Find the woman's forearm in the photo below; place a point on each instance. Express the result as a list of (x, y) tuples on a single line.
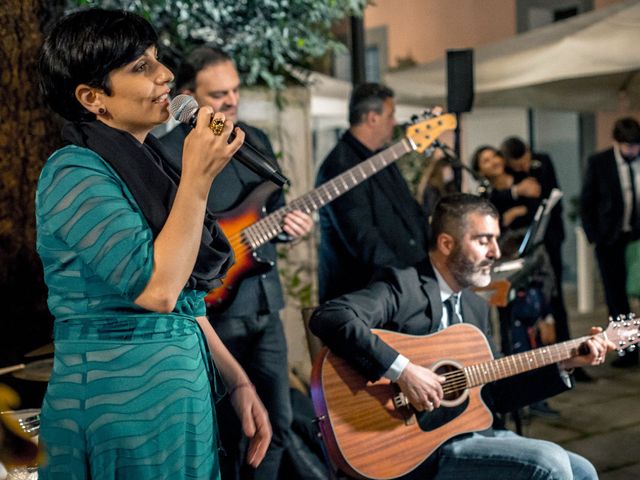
[(175, 251)]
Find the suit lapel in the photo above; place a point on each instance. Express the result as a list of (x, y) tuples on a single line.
[(430, 287), (468, 314)]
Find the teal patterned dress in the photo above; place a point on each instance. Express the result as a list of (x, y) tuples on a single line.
[(132, 392)]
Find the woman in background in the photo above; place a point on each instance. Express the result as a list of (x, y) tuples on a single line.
[(510, 199), (129, 252), (437, 180)]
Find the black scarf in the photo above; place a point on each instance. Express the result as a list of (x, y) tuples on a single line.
[(153, 183)]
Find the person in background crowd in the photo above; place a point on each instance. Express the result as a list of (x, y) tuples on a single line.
[(506, 195), (437, 180), (522, 163), (610, 218)]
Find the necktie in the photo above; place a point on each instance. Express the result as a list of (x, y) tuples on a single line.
[(450, 305)]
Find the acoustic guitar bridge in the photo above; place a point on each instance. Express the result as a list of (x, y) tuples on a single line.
[(403, 406)]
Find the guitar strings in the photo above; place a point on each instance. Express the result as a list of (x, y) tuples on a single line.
[(457, 380), (241, 245)]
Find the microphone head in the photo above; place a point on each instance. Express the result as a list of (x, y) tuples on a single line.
[(183, 108)]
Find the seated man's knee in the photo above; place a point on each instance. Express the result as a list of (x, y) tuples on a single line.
[(553, 462)]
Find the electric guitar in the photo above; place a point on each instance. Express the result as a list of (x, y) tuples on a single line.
[(371, 430), (247, 228)]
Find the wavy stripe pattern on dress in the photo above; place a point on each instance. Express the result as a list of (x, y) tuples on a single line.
[(130, 395)]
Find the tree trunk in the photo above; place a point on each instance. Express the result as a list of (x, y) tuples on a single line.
[(28, 134)]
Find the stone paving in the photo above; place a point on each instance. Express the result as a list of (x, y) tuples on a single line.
[(601, 419)]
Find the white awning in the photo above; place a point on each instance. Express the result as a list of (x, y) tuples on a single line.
[(588, 62)]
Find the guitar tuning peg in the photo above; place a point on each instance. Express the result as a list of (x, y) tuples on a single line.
[(631, 348), (415, 118), (621, 352), (427, 113)]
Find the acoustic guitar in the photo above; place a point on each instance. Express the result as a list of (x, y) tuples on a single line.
[(248, 229), (370, 429)]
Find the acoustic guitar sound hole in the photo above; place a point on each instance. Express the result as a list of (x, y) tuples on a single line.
[(456, 384)]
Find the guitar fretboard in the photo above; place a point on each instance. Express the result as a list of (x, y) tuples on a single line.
[(267, 228), (493, 370)]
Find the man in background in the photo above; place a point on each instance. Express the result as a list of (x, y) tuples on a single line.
[(523, 163), (610, 218), (250, 327), (378, 223)]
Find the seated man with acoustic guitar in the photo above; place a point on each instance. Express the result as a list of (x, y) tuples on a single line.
[(437, 407)]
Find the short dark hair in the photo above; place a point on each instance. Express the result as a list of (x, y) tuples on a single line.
[(475, 158), (199, 58), (85, 47), (513, 148), (626, 130), (450, 215), (365, 98)]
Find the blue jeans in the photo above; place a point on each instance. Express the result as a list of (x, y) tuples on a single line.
[(259, 345), (510, 456)]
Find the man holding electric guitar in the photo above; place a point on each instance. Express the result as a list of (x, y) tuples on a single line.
[(378, 223), (249, 324), (388, 408)]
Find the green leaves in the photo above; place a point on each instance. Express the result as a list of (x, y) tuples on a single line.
[(265, 37)]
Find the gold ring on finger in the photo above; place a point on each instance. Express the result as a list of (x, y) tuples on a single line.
[(216, 125)]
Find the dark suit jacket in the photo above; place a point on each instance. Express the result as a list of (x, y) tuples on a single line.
[(257, 294), (408, 301), (601, 203), (542, 170), (376, 224)]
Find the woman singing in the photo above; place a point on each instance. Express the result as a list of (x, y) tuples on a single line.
[(129, 251)]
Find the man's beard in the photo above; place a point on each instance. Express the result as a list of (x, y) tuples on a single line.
[(465, 272)]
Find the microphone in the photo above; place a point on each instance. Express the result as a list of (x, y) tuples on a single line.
[(184, 109)]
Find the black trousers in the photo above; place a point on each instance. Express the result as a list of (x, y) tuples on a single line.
[(613, 270), (259, 345)]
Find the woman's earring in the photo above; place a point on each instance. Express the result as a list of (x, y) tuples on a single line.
[(102, 111)]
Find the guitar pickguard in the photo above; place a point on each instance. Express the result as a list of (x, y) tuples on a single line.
[(430, 421)]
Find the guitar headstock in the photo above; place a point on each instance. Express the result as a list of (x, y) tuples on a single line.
[(624, 331), (424, 133)]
